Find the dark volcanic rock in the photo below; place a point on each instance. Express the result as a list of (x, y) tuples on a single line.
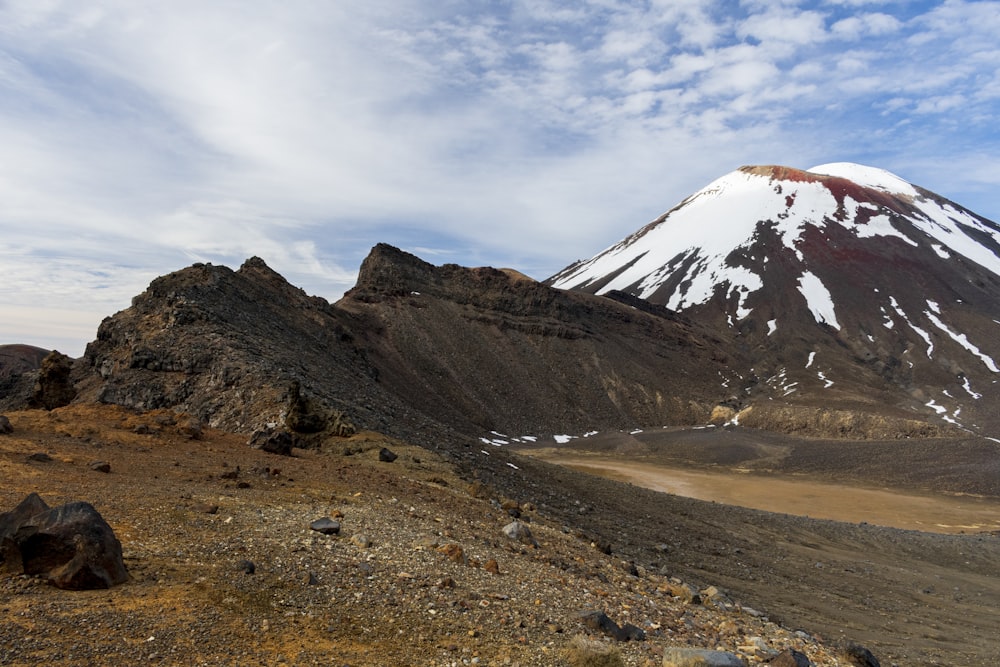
[(601, 622), (386, 455), (404, 353), (859, 656), (5, 425), (326, 525), (54, 388), (71, 545), (275, 441)]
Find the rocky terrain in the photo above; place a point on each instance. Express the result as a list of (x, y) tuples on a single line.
[(413, 565)]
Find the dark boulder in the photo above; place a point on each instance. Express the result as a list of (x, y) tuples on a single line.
[(386, 455), (275, 441), (71, 545), (5, 425), (601, 622), (790, 658)]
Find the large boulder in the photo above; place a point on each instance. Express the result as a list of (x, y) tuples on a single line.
[(71, 545)]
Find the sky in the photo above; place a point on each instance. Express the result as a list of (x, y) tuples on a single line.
[(139, 137)]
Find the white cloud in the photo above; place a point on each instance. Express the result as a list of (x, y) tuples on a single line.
[(140, 137)]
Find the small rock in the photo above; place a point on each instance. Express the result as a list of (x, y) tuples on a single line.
[(5, 425), (445, 582), (39, 457), (790, 658), (100, 466), (311, 579), (519, 532), (454, 552), (326, 526), (601, 622), (206, 508), (694, 657), (859, 656), (386, 455), (492, 566), (361, 541), (246, 567)]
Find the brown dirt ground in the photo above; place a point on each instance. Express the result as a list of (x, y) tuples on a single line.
[(187, 511)]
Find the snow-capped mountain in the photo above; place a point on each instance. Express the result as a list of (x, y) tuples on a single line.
[(843, 281)]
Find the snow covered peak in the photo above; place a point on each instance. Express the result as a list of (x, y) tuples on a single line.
[(869, 177)]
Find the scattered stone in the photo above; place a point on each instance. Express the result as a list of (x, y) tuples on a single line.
[(682, 591), (385, 455), (694, 657), (100, 466), (361, 541), (206, 508), (326, 525), (5, 425), (790, 658), (601, 622), (311, 579), (71, 545), (454, 553), (445, 582), (246, 567), (274, 441), (519, 532), (142, 429), (39, 457), (859, 656), (492, 566)]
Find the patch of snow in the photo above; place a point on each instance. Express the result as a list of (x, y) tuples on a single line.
[(512, 465), (968, 389), (880, 225), (963, 340), (920, 332), (818, 299), (941, 252), (483, 451), (812, 357), (563, 439), (828, 382), (940, 409), (529, 438), (934, 306), (635, 432), (888, 324), (871, 177), (772, 326), (590, 433)]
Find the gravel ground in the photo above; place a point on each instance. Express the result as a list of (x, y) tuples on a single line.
[(421, 572)]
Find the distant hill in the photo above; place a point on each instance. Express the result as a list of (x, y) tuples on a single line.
[(16, 359)]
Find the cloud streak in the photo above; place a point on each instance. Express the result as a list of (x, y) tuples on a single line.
[(529, 133)]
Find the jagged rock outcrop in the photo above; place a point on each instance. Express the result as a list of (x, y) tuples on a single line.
[(417, 350), (53, 387)]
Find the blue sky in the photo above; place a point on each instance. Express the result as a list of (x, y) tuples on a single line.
[(139, 137)]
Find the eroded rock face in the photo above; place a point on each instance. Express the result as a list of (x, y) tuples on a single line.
[(54, 387), (70, 545)]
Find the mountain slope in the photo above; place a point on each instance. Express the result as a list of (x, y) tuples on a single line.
[(428, 353), (844, 285)]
